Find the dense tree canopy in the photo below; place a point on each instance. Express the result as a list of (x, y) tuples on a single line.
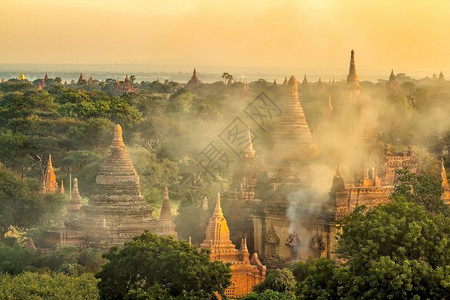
[(157, 267), (394, 251), (48, 286)]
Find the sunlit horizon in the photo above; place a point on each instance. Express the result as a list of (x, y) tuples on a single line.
[(255, 36)]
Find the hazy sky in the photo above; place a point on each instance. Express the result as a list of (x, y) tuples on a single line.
[(406, 35)]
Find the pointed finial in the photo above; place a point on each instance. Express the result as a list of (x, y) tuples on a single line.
[(49, 165), (118, 140), (205, 203), (293, 86), (338, 169), (249, 151), (285, 81), (392, 76), (166, 214), (22, 77), (195, 73), (166, 193), (46, 76), (244, 245), (190, 241), (218, 209), (62, 187)]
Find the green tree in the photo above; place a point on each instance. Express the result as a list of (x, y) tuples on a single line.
[(278, 280), (316, 279), (395, 251), (53, 286), (268, 295), (421, 189), (151, 264)]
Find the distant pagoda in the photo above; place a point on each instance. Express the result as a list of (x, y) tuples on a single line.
[(194, 81), (352, 78)]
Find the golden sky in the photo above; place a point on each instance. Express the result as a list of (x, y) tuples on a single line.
[(406, 35)]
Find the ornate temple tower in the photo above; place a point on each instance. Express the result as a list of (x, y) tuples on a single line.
[(49, 184), (117, 211), (352, 78), (22, 77), (292, 137), (165, 225), (245, 272), (194, 81)]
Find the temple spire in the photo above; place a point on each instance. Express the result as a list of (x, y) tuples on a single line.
[(285, 81), (392, 76), (338, 170), (166, 214), (22, 77), (205, 203), (76, 198), (118, 140), (293, 86), (50, 184), (46, 76), (218, 209), (249, 151), (352, 78)]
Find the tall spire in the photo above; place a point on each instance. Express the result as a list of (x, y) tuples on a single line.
[(166, 214), (22, 77), (50, 184), (285, 81), (218, 209), (118, 140), (352, 78), (392, 76), (205, 203), (249, 151), (46, 76), (218, 234), (76, 198)]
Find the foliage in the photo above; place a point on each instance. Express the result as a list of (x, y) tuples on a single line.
[(14, 259), (278, 280), (151, 264), (316, 279), (22, 207), (268, 295), (396, 250), (48, 286), (422, 189)]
